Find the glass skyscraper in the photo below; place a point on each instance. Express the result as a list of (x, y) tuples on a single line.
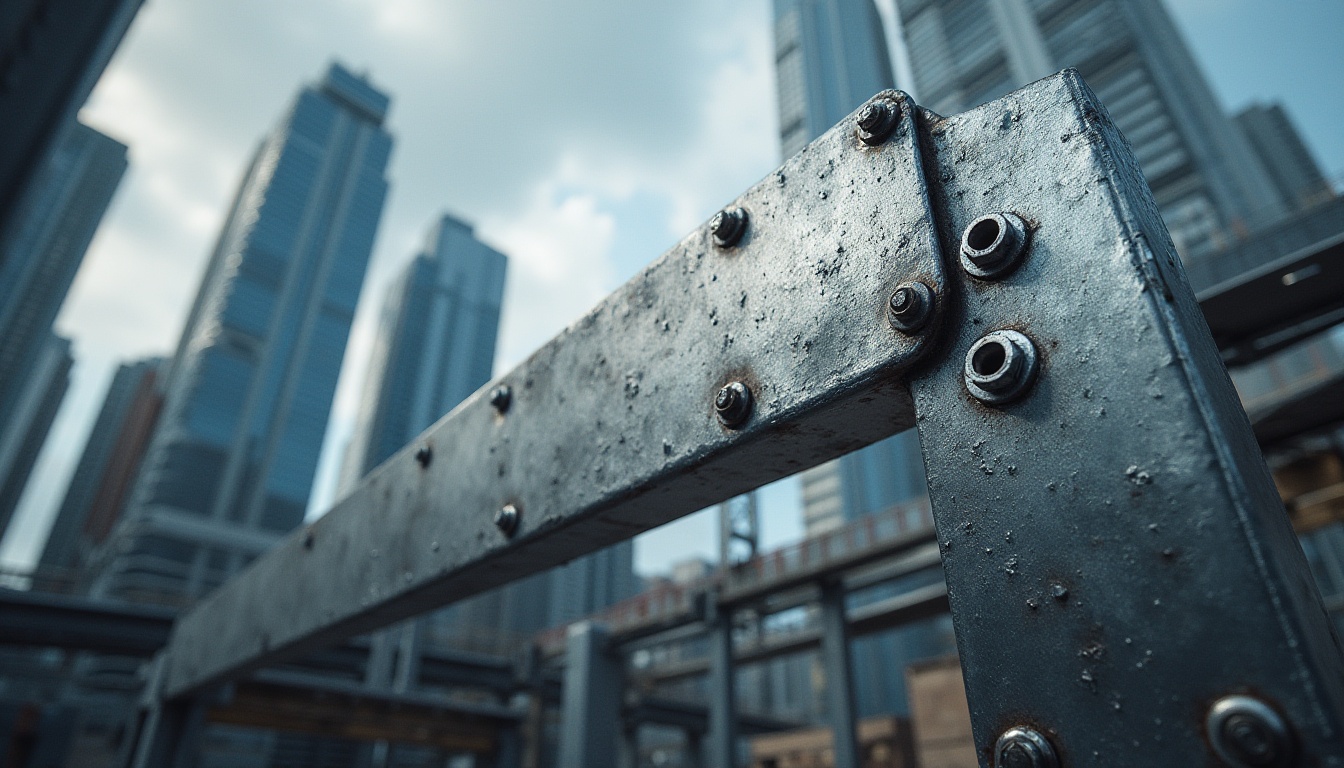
[(247, 397), (44, 386), (41, 254)]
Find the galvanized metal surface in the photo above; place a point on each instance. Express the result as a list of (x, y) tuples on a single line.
[(610, 429), (1116, 557)]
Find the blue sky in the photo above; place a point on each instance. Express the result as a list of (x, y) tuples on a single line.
[(582, 138)]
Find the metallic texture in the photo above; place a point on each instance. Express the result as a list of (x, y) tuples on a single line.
[(506, 519), (1024, 748), (993, 245), (501, 397), (1246, 733), (1000, 367), (910, 307), (876, 120), (728, 226), (610, 431), (1128, 484), (733, 404)]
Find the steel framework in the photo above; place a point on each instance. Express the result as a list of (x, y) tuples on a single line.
[(1124, 584)]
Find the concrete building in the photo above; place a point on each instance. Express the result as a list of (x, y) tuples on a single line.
[(21, 439), (231, 462), (1287, 159), (97, 492)]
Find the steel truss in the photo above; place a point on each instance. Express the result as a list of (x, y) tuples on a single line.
[(1123, 580)]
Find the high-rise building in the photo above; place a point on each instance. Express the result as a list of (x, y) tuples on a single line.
[(232, 459), (46, 246), (1275, 140), (97, 491), (435, 344), (1207, 181), (830, 57), (23, 435)]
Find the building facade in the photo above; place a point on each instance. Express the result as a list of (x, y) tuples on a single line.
[(46, 381), (1296, 176), (231, 463)]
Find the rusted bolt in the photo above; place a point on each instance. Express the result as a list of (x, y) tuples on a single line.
[(1024, 748), (423, 456), (1000, 367), (876, 121), (733, 404), (501, 397), (992, 246), (506, 519), (910, 307), (1247, 733), (728, 226)]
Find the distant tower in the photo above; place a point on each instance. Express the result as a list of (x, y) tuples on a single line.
[(231, 463), (1209, 184), (1275, 140), (435, 344)]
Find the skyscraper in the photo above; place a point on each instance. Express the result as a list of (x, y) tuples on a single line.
[(1284, 155), (232, 460), (97, 491), (1209, 184), (34, 411), (435, 344)]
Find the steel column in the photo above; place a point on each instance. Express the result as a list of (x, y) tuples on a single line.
[(835, 656), (722, 688), (593, 690)]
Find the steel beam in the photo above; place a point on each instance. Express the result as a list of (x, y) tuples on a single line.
[(722, 689), (841, 708), (594, 690), (83, 624)]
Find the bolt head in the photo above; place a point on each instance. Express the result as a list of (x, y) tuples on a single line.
[(993, 245), (876, 120), (1024, 748), (733, 404), (501, 397), (910, 307), (506, 519), (728, 226), (1000, 367), (1247, 733)]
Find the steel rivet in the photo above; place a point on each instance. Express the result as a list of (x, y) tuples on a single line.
[(910, 307), (506, 519), (876, 120), (424, 455), (733, 404), (728, 226), (993, 245), (1024, 748), (1000, 367), (501, 397), (1247, 733)]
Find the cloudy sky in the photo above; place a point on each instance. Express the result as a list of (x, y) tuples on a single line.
[(581, 137)]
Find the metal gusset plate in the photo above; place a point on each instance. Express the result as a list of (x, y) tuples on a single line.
[(1125, 585), (764, 343)]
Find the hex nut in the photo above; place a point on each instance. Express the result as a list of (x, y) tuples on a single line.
[(1000, 367), (1022, 747), (733, 404), (1247, 733), (506, 519), (876, 120), (993, 245), (910, 307), (501, 397), (728, 226)]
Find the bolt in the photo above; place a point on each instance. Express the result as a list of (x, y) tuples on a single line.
[(424, 455), (1000, 367), (506, 519), (1246, 733), (876, 121), (733, 404), (501, 397), (728, 226), (910, 307), (992, 246), (1024, 748)]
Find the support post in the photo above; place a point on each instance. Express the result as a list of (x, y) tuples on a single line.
[(629, 757), (836, 659), (591, 718), (164, 733), (722, 691), (695, 748)]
